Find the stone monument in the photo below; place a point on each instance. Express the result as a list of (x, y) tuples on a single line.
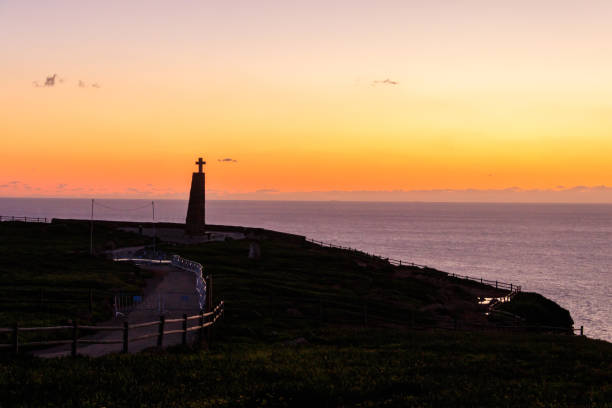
[(195, 223)]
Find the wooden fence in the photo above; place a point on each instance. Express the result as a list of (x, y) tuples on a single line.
[(498, 284), (24, 219), (204, 322), (398, 262)]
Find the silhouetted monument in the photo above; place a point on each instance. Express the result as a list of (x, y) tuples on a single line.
[(195, 222)]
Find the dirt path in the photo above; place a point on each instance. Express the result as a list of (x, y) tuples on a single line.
[(177, 289)]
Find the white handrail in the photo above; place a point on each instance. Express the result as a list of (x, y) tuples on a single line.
[(197, 269), (181, 263)]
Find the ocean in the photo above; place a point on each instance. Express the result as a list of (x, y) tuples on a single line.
[(563, 251)]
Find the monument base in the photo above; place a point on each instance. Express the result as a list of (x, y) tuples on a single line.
[(195, 223)]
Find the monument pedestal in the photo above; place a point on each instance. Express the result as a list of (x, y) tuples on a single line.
[(195, 223)]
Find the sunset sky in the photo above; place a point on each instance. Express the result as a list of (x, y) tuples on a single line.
[(368, 100)]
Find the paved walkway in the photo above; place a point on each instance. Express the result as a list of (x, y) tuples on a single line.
[(177, 285), (178, 235)]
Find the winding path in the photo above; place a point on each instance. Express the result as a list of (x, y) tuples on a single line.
[(182, 298)]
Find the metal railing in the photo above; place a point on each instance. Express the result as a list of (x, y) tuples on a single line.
[(181, 263), (6, 218), (197, 269), (143, 260)]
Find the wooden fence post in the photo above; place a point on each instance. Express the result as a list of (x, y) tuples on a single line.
[(582, 330), (201, 331), (126, 336), (160, 335), (209, 301), (184, 329), (75, 333), (16, 338)]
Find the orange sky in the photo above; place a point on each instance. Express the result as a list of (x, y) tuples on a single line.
[(479, 97)]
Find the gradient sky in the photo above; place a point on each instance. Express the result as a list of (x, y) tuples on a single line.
[(481, 95)]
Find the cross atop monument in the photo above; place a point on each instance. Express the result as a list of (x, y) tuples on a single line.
[(200, 163), (195, 223)]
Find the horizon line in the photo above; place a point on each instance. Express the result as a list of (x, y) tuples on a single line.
[(313, 200)]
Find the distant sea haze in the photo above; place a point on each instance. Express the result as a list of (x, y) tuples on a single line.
[(563, 251)]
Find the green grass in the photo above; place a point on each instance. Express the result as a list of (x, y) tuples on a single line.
[(297, 286), (46, 272), (367, 368), (322, 297)]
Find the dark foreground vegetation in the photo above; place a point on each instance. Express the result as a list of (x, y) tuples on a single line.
[(307, 326), (48, 277), (368, 368)]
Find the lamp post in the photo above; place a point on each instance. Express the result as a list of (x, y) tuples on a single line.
[(154, 229), (91, 251)]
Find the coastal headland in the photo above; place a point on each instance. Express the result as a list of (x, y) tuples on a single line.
[(304, 324)]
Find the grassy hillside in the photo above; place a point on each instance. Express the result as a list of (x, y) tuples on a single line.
[(304, 326), (46, 272), (366, 368), (296, 286)]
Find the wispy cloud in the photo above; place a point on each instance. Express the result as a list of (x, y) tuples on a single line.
[(53, 80), (559, 194), (385, 82), (50, 81), (227, 160), (578, 194), (14, 184)]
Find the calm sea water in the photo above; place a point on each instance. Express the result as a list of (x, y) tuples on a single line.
[(563, 251)]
